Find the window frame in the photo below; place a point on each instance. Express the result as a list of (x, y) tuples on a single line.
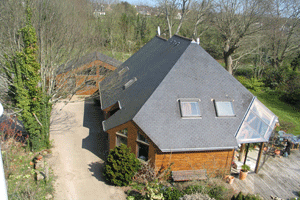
[(120, 134), (140, 142), (190, 100), (216, 108)]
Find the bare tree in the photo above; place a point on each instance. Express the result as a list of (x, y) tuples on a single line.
[(235, 20), (282, 30), (185, 6), (169, 8), (202, 9)]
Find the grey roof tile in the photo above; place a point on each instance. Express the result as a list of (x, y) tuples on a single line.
[(167, 71)]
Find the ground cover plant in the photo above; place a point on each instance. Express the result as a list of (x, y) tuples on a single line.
[(18, 167)]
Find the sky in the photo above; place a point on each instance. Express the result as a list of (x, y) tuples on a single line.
[(138, 2)]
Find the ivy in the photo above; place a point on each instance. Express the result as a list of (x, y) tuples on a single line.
[(26, 90)]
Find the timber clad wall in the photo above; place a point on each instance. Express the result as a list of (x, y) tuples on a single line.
[(213, 162), (61, 79)]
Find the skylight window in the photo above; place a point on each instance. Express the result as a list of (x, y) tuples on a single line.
[(224, 109), (122, 71), (190, 108), (129, 83)]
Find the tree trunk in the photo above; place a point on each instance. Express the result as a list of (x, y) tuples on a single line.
[(227, 58)]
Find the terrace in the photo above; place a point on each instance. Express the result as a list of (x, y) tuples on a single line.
[(277, 176)]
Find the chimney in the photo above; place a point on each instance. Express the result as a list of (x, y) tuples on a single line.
[(158, 31), (198, 41)]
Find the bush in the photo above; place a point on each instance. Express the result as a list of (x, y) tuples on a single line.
[(274, 77), (251, 84), (172, 193), (245, 72), (193, 189), (291, 89), (121, 165), (241, 196), (217, 192)]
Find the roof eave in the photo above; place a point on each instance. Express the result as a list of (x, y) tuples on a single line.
[(198, 149)]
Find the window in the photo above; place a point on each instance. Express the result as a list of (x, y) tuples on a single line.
[(190, 108), (143, 147), (129, 83), (121, 137), (224, 109)]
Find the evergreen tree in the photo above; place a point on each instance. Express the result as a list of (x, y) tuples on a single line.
[(26, 90)]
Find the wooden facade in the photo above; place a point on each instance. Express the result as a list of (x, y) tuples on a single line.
[(214, 162), (86, 84)]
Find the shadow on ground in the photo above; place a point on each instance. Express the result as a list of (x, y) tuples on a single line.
[(97, 141), (97, 170)]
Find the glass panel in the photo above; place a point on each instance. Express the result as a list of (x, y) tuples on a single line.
[(142, 138), (190, 109), (143, 151), (121, 140), (224, 109), (260, 110), (258, 124)]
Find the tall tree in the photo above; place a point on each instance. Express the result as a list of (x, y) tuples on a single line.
[(235, 20)]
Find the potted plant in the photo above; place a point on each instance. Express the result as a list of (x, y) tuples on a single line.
[(244, 172)]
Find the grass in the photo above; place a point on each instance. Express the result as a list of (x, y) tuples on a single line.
[(289, 116), (20, 175)]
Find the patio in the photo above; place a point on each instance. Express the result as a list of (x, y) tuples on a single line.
[(277, 176)]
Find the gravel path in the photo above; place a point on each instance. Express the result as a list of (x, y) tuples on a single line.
[(78, 153)]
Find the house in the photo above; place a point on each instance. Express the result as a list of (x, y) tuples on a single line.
[(84, 74), (171, 102)]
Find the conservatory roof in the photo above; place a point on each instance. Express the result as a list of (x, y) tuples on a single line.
[(258, 124)]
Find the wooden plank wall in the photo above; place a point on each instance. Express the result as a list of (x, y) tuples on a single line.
[(214, 162)]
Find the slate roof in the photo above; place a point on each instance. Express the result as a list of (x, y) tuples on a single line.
[(75, 63), (167, 71)]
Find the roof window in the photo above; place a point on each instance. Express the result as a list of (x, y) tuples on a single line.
[(190, 108), (224, 109), (122, 71), (129, 83)]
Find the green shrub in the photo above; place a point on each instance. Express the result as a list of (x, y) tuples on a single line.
[(291, 89), (245, 72), (172, 193), (193, 189), (252, 84), (217, 192), (272, 78), (121, 165), (241, 196)]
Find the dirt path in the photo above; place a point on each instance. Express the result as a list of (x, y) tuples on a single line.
[(79, 148)]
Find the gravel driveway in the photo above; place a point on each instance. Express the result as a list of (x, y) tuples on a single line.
[(78, 153)]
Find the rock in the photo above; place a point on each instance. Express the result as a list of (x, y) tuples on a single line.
[(48, 196), (39, 176), (39, 165)]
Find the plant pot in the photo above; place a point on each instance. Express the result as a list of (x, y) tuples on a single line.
[(277, 152), (265, 148), (229, 179), (243, 175)]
